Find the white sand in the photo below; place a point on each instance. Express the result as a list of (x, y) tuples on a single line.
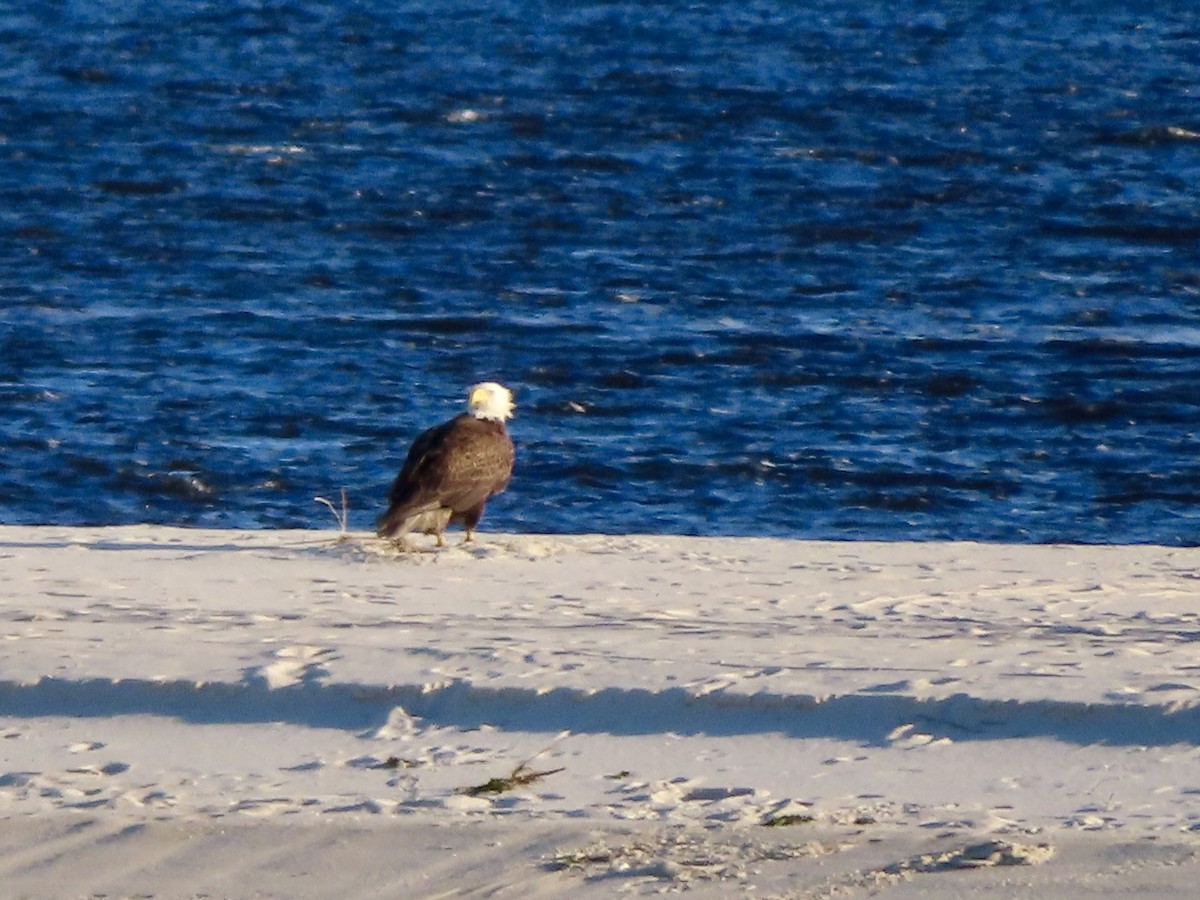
[(191, 713)]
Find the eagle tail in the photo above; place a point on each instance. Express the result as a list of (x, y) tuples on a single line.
[(401, 519), (391, 523)]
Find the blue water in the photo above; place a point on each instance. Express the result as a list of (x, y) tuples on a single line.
[(822, 269)]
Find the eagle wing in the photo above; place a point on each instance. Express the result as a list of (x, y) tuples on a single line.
[(456, 465)]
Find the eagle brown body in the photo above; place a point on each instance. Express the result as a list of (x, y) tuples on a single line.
[(452, 469)]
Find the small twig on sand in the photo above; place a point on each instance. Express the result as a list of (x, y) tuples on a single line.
[(521, 776), (341, 515)]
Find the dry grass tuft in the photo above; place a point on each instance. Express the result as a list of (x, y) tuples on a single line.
[(342, 516)]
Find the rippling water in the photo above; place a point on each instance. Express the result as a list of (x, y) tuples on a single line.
[(840, 270)]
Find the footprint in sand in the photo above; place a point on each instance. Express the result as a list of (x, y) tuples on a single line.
[(109, 769), (976, 856), (86, 746)]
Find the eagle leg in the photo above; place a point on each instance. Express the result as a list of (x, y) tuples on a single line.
[(470, 519)]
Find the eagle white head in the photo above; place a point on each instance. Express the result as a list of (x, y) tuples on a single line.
[(489, 400)]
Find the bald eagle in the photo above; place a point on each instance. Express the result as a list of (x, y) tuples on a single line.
[(452, 469)]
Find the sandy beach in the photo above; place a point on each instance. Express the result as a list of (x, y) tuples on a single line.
[(189, 713)]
